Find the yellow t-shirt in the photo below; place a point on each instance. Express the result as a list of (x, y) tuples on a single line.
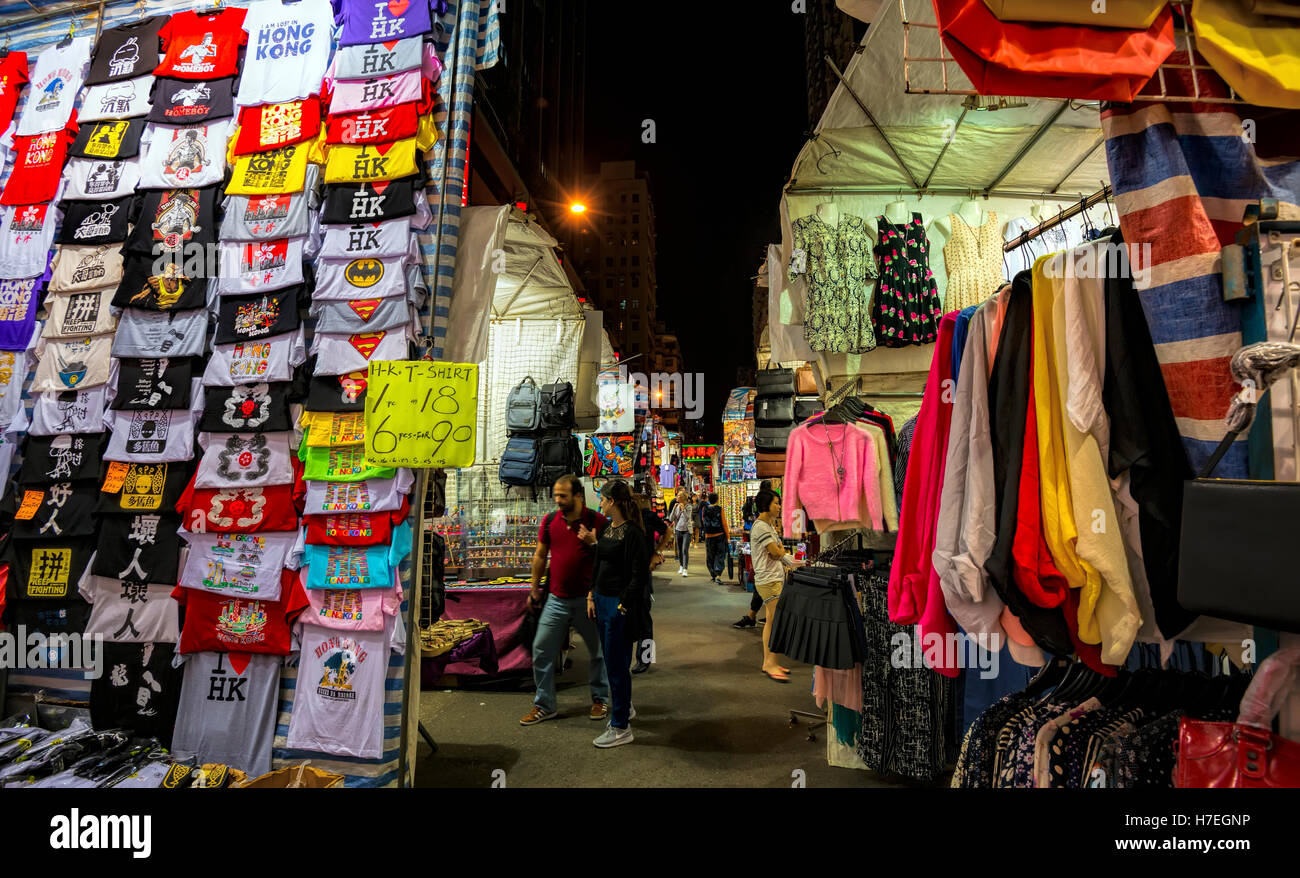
[(275, 172), (333, 429), (370, 163)]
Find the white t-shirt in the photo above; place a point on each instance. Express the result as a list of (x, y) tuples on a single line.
[(101, 179), (124, 99), (144, 436), (341, 354), (151, 334), (13, 374), (369, 60), (364, 278), (256, 362), (86, 267), (187, 156), (766, 568), (26, 235), (288, 51), (77, 315), (372, 495), (247, 565), (261, 266), (374, 240), (245, 460), (69, 365), (76, 411), (126, 611), (268, 217), (55, 80), (362, 315)]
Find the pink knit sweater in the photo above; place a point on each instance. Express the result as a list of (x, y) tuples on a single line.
[(812, 455)]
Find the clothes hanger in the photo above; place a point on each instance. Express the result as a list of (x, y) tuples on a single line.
[(67, 40), (4, 50), (1048, 677)]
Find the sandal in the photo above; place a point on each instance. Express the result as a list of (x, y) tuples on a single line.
[(780, 678)]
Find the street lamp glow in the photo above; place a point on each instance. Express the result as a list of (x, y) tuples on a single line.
[(578, 207)]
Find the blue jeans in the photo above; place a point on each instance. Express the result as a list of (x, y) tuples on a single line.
[(557, 615), (618, 658)]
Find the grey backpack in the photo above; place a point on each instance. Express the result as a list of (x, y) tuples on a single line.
[(523, 407)]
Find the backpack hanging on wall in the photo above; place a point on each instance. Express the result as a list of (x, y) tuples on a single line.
[(559, 454), (523, 407), (520, 462), (557, 406)]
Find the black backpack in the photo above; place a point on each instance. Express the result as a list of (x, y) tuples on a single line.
[(559, 454), (557, 406), (520, 462), (712, 518)]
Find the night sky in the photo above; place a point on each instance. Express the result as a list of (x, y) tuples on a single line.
[(726, 90)]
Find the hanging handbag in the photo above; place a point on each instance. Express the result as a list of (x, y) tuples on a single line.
[(774, 411), (772, 439), (775, 382), (1254, 54), (770, 465), (805, 407), (804, 380), (1245, 754)]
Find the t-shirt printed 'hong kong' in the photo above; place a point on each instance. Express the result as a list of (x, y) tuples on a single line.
[(356, 566), (243, 564), (202, 46), (228, 623), (276, 171), (288, 51), (38, 163), (353, 528), (382, 495), (271, 126), (255, 362), (55, 81), (257, 315)]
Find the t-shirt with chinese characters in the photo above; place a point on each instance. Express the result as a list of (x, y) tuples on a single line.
[(369, 202), (144, 547), (138, 689), (246, 408), (13, 76), (169, 291), (85, 267), (356, 566), (372, 163), (165, 436), (154, 383), (130, 611), (167, 220), (130, 488), (338, 393), (353, 528), (256, 362), (342, 464), (288, 51), (99, 180), (13, 374), (26, 234), (128, 99), (154, 334), (240, 510), (246, 565), (368, 60), (228, 708), (110, 139), (352, 609), (267, 217), (38, 166), (261, 266), (238, 460), (375, 21), (191, 156), (19, 302), (363, 315), (270, 126), (48, 569), (192, 102), (70, 365), (276, 171), (77, 315), (94, 222), (56, 78), (257, 315), (73, 411), (202, 46), (228, 623), (341, 354), (381, 495), (60, 510), (61, 459), (127, 51)]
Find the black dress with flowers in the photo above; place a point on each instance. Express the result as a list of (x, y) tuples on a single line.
[(906, 310)]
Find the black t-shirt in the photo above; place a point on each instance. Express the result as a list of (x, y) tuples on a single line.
[(166, 220), (139, 690), (246, 408), (49, 569), (127, 51), (66, 458), (46, 617), (192, 101), (347, 204), (143, 487), (258, 315), (144, 547), (153, 384), (171, 291), (95, 222), (57, 511), (110, 140), (337, 393)]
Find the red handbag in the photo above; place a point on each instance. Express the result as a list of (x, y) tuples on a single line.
[(1245, 754)]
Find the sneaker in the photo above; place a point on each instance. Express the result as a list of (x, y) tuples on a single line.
[(599, 710), (613, 737), (536, 715), (745, 622), (683, 573)]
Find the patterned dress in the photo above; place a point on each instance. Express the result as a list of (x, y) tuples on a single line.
[(973, 256), (906, 310), (840, 273)]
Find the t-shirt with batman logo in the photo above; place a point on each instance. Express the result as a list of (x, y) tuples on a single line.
[(95, 222), (112, 139), (246, 407), (258, 315), (154, 383), (361, 278), (191, 102)]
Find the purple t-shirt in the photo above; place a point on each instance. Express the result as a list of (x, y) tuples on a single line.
[(19, 302), (379, 21)]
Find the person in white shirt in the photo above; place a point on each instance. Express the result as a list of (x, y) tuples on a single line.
[(682, 518), (770, 560)]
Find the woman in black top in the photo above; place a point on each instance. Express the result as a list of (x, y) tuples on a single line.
[(619, 600)]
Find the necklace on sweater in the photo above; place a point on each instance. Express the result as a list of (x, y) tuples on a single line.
[(835, 459)]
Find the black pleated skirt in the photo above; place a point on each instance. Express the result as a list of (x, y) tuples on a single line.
[(813, 625)]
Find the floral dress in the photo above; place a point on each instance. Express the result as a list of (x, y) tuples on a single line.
[(840, 273), (906, 310)]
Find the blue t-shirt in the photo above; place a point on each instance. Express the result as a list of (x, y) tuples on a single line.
[(357, 566)]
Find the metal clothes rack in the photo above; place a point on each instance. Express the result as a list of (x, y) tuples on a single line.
[(1102, 194)]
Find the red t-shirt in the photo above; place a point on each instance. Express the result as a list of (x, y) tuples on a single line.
[(13, 75), (374, 126), (202, 46), (243, 510), (38, 163), (226, 623), (271, 126), (571, 559), (354, 528)]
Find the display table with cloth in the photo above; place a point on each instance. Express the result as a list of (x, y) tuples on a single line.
[(502, 607)]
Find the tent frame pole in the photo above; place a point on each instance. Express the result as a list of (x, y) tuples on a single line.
[(1101, 138), (947, 143), (919, 191), (871, 117), (1028, 145)]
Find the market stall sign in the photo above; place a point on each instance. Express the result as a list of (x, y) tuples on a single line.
[(699, 452), (421, 414)]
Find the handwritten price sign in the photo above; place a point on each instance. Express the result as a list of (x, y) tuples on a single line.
[(421, 414)]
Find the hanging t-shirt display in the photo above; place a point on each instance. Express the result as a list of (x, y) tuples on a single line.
[(364, 278), (56, 78), (13, 372), (368, 240), (228, 709), (139, 689), (113, 139), (368, 60), (161, 333), (356, 566), (77, 315), (271, 126), (94, 222), (13, 75), (373, 21), (332, 429), (63, 509), (346, 463), (352, 609), (371, 162), (225, 622), (50, 569), (26, 233), (271, 359), (374, 126), (154, 383), (50, 617), (145, 542), (38, 165), (369, 202), (240, 510), (382, 495), (142, 487), (128, 99), (250, 317), (362, 315), (276, 171), (266, 217), (202, 46), (254, 266), (18, 306), (68, 365), (192, 102), (169, 291), (73, 411), (192, 155), (98, 180), (127, 51), (129, 610), (61, 459), (167, 220), (247, 565), (353, 528), (236, 460), (288, 50), (140, 436), (338, 393), (85, 267), (245, 408), (340, 354)]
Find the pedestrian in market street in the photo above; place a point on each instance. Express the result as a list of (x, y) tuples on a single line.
[(560, 601), (716, 538), (682, 518), (750, 619), (656, 535), (619, 601), (770, 562)]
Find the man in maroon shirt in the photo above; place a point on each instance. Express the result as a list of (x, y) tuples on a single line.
[(563, 599)]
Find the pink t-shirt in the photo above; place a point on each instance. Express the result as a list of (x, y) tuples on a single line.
[(351, 609), (351, 96)]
